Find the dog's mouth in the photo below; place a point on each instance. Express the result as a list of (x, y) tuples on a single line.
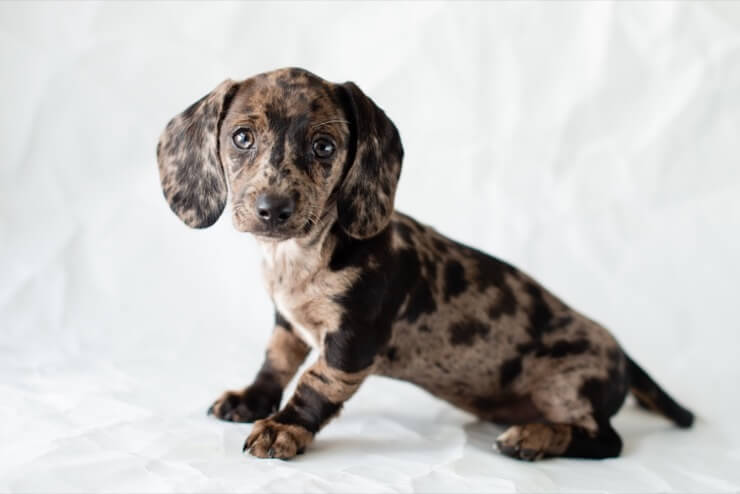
[(272, 235), (276, 233)]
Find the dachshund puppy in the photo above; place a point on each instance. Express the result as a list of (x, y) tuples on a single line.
[(312, 169)]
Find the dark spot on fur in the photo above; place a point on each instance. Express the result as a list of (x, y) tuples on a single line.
[(301, 157), (455, 283), (349, 215), (430, 270), (194, 188), (605, 395), (539, 312), (350, 252), (441, 367), (307, 408), (504, 304), (440, 245), (465, 331), (278, 123), (369, 161), (605, 444), (485, 403), (319, 376), (615, 357), (392, 354), (510, 370), (382, 208), (424, 328), (421, 301), (386, 187), (281, 321), (344, 349), (528, 347), (297, 73), (364, 327), (563, 348), (508, 408), (561, 322), (491, 271), (403, 230)]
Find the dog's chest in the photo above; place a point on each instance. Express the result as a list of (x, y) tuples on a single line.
[(303, 289)]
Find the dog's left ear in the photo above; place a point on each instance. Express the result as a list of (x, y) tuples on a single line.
[(190, 169), (365, 201)]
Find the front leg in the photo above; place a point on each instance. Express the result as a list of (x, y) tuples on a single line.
[(319, 396), (285, 353)]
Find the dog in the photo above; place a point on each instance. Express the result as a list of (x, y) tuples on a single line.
[(312, 168)]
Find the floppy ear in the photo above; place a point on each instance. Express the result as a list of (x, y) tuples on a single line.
[(190, 169), (365, 199)]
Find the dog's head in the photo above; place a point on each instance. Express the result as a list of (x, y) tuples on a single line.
[(291, 147)]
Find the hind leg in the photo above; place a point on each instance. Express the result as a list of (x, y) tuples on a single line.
[(535, 441), (574, 408)]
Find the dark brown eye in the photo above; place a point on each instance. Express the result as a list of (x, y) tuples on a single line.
[(323, 147), (243, 138)]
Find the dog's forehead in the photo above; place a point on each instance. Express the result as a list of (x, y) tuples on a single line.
[(289, 92)]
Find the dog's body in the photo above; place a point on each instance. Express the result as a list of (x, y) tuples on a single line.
[(312, 168)]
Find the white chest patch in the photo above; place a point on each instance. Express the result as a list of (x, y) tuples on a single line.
[(298, 286), (310, 337)]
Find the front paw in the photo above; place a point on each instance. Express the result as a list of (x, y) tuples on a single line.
[(270, 439), (245, 406)]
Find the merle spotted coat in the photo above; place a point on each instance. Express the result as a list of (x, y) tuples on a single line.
[(312, 168)]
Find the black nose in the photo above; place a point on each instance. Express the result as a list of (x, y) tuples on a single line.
[(274, 209)]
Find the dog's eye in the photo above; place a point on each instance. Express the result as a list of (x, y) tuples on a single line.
[(243, 138), (323, 147)]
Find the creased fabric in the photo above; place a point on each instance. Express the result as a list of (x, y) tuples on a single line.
[(592, 144)]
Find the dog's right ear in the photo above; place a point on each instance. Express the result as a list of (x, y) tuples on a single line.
[(367, 194), (190, 169)]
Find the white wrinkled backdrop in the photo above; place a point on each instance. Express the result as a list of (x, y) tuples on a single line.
[(595, 145)]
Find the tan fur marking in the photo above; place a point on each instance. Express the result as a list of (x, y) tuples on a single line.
[(336, 385), (286, 352), (534, 441), (648, 401), (270, 439)]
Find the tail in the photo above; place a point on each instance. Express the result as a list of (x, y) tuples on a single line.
[(650, 396)]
